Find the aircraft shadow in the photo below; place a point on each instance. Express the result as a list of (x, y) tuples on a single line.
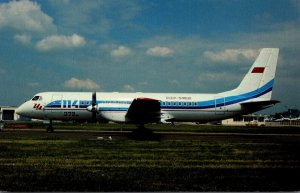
[(144, 134)]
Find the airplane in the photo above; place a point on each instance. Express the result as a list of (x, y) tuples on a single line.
[(282, 119), (287, 119), (295, 119), (253, 94)]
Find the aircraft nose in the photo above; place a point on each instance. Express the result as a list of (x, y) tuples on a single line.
[(21, 110)]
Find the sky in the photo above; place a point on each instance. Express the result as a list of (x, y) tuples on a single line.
[(186, 46)]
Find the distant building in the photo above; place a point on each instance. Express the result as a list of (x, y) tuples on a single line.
[(246, 120), (8, 113), (288, 118)]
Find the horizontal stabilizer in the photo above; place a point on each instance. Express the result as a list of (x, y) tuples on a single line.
[(253, 106)]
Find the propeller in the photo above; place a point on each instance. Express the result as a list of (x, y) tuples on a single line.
[(94, 107)]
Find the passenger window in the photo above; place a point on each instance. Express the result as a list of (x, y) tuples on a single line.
[(169, 104)]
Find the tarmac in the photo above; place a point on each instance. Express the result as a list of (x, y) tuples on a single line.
[(142, 134)]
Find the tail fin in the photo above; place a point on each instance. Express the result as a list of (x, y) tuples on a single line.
[(260, 77)]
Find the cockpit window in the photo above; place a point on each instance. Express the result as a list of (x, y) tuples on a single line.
[(36, 98)]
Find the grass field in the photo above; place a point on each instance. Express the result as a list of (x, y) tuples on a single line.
[(216, 163)]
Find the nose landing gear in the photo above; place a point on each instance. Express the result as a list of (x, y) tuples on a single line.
[(49, 128)]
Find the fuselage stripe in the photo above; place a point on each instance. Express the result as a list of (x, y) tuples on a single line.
[(218, 102)]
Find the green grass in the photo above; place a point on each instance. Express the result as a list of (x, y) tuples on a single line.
[(73, 163)]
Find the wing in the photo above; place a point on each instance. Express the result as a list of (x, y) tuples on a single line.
[(144, 110)]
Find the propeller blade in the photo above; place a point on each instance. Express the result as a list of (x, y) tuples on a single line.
[(94, 99), (94, 107)]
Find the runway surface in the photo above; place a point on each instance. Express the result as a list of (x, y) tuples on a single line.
[(96, 135)]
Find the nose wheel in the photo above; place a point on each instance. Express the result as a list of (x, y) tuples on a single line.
[(50, 127)]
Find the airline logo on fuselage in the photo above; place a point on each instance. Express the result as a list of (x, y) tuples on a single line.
[(37, 106)]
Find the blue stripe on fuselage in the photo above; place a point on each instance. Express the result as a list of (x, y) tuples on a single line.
[(218, 102), (224, 101)]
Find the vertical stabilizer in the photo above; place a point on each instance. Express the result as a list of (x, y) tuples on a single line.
[(261, 74)]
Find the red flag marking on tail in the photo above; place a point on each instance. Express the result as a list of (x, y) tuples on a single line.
[(258, 70)]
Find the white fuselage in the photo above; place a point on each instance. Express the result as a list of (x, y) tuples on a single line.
[(114, 106)]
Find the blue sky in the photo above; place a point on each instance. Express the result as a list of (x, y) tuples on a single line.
[(144, 46)]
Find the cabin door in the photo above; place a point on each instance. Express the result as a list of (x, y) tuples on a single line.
[(220, 107)]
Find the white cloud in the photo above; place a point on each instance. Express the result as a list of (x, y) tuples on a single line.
[(81, 84), (26, 16), (128, 88), (23, 39), (60, 42), (231, 55), (160, 51), (120, 51)]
